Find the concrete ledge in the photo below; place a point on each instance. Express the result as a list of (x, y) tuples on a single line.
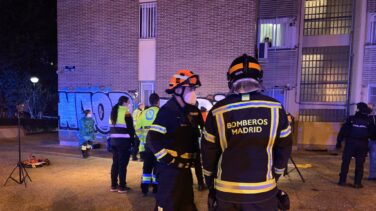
[(10, 132)]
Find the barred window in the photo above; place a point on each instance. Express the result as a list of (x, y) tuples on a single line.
[(371, 38), (322, 115), (372, 94), (327, 17), (281, 32), (148, 18), (324, 75)]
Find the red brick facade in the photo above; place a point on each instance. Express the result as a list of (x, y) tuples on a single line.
[(99, 38)]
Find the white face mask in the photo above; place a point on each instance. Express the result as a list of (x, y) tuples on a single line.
[(88, 115), (190, 97)]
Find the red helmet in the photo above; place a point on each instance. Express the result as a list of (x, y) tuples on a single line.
[(183, 78)]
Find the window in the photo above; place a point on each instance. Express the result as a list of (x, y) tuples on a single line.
[(147, 88), (372, 94), (280, 32), (324, 75), (278, 94), (371, 38), (327, 17), (322, 115), (148, 18)]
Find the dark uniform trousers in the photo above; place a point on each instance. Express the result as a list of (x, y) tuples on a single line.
[(149, 168), (198, 170), (359, 150), (120, 157), (270, 204), (176, 184)]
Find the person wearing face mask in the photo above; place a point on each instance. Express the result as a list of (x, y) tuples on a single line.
[(173, 138), (121, 137), (86, 133)]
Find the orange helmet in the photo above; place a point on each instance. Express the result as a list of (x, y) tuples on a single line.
[(183, 78)]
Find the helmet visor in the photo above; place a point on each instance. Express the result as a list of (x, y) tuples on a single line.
[(192, 81)]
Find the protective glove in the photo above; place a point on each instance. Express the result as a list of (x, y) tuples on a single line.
[(212, 201)]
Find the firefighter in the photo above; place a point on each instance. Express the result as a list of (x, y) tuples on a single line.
[(173, 138), (356, 132), (143, 124), (246, 143), (136, 115), (121, 139)]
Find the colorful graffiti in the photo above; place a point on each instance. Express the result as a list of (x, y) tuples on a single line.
[(72, 105)]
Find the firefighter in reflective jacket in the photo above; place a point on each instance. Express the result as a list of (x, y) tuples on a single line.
[(143, 124), (173, 138), (356, 132), (246, 143)]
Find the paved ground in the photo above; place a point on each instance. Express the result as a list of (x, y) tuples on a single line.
[(72, 183)]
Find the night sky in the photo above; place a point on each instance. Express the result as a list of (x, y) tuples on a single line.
[(28, 38)]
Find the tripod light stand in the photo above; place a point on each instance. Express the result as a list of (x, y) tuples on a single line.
[(22, 173)]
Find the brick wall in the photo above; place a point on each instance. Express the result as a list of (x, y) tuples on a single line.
[(203, 36), (99, 38)]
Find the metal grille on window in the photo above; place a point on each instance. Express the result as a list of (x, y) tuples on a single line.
[(371, 29), (327, 17), (322, 115), (147, 88), (372, 94), (324, 75), (148, 18)]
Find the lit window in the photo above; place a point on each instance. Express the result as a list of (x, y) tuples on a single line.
[(371, 38), (322, 17), (148, 18), (280, 32), (372, 94)]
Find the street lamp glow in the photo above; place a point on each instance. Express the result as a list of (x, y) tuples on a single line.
[(34, 79)]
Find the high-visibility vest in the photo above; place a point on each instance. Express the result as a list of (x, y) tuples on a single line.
[(143, 124), (120, 130)]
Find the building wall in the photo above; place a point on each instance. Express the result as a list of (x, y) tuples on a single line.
[(203, 36), (99, 38)]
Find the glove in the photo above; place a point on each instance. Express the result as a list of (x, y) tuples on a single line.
[(338, 145), (212, 201)]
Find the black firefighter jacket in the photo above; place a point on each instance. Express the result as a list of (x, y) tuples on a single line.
[(246, 142)]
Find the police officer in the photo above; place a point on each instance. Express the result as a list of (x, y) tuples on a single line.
[(356, 132), (136, 115), (143, 124), (173, 138), (246, 143)]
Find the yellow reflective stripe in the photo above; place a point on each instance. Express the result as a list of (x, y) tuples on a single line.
[(240, 66), (221, 131), (247, 104), (158, 128), (279, 171), (209, 137), (286, 132), (207, 173), (161, 153), (219, 173), (245, 188), (272, 135)]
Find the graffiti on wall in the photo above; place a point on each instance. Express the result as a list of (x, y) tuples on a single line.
[(72, 105)]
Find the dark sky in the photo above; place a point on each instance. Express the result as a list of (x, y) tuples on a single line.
[(28, 38)]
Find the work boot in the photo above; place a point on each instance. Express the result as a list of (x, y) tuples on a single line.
[(201, 187)]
